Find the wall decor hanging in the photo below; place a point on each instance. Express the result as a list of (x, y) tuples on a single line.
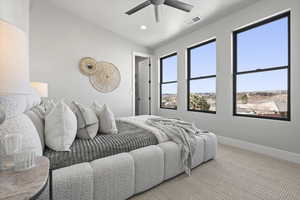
[(106, 78), (88, 66)]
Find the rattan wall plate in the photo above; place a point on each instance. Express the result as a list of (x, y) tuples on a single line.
[(88, 66), (107, 77)]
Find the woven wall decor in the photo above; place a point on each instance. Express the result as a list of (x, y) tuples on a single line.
[(107, 77), (88, 66)]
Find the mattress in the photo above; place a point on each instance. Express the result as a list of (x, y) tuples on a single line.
[(130, 137)]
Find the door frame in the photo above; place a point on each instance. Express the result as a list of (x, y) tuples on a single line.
[(135, 54)]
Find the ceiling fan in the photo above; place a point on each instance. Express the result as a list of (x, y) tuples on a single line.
[(156, 3)]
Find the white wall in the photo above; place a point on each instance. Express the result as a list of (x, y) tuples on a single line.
[(58, 40), (277, 134)]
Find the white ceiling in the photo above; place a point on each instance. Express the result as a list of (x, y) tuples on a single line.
[(109, 14)]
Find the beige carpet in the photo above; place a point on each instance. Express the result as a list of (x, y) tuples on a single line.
[(235, 175)]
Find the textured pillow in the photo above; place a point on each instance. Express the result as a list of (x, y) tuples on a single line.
[(60, 127), (97, 109), (22, 125), (39, 124), (106, 119), (44, 108), (87, 121)]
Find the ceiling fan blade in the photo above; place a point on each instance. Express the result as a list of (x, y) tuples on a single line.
[(179, 5), (156, 11), (139, 7)]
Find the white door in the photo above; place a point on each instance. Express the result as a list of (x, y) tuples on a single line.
[(143, 98)]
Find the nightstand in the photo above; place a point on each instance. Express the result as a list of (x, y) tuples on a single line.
[(25, 185)]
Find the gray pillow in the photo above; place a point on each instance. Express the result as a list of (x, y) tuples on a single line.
[(87, 121), (39, 124), (37, 115)]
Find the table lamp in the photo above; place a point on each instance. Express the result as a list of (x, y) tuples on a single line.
[(41, 88), (14, 71)]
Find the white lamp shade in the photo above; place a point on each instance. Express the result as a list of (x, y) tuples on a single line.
[(41, 88), (14, 71)]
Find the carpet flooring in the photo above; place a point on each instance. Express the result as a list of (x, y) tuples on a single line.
[(236, 174)]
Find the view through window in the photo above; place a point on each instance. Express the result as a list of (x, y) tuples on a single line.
[(168, 82), (261, 69), (202, 77)]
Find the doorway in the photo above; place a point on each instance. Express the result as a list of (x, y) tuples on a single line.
[(142, 85)]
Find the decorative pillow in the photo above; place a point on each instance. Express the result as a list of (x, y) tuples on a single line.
[(39, 124), (97, 109), (106, 119), (87, 121), (22, 125), (60, 127), (44, 108)]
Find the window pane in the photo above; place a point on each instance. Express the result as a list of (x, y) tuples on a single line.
[(263, 94), (169, 69), (203, 60), (203, 94), (264, 46), (169, 95)]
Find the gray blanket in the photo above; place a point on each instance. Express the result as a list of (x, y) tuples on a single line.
[(130, 137), (181, 132)]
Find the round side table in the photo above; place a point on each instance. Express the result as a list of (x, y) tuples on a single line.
[(25, 185)]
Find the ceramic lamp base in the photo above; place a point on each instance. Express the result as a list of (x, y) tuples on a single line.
[(2, 116), (6, 162)]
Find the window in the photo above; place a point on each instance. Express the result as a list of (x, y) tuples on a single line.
[(168, 82), (202, 77), (261, 71)]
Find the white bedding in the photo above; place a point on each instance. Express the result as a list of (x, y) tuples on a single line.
[(140, 121), (181, 132)]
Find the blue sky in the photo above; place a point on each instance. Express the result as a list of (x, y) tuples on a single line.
[(261, 47), (203, 60), (170, 69)]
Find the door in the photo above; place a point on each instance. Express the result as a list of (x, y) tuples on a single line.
[(143, 89)]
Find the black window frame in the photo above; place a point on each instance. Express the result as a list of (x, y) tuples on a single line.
[(189, 78), (161, 83), (258, 70)]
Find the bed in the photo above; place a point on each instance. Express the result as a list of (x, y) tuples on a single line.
[(108, 167)]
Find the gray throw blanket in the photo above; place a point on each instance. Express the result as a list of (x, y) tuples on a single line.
[(182, 133)]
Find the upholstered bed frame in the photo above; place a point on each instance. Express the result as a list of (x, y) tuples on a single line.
[(115, 177), (123, 175)]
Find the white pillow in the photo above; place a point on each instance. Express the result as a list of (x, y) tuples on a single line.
[(97, 110), (107, 122), (87, 121), (60, 127)]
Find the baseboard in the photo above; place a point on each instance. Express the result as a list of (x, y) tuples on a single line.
[(269, 151)]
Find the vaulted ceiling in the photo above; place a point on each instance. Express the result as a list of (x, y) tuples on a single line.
[(110, 14)]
